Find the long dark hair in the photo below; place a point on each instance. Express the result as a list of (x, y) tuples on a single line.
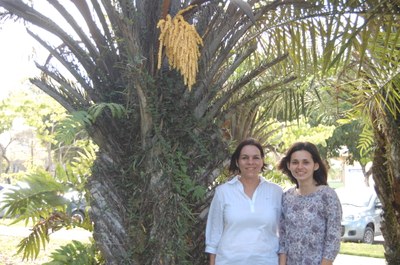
[(320, 175), (233, 167)]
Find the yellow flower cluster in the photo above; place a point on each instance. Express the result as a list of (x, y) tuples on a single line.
[(181, 42)]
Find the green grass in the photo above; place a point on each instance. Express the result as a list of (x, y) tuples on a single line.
[(8, 249), (8, 221), (359, 249), (9, 245), (335, 184)]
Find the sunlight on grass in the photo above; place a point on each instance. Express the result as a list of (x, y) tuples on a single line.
[(9, 242), (8, 221), (359, 249), (9, 247)]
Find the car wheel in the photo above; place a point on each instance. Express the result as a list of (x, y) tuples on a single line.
[(368, 235), (78, 217)]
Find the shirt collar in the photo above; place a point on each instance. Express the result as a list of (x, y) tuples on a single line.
[(237, 177)]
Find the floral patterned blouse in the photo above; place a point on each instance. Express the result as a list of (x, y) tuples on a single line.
[(310, 226)]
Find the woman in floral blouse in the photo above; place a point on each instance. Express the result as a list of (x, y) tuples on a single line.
[(310, 228)]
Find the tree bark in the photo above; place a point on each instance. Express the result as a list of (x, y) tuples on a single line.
[(108, 210), (148, 214), (386, 169)]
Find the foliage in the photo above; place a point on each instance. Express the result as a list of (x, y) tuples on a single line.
[(8, 244), (48, 112), (6, 117), (109, 50), (349, 134), (72, 126), (300, 130), (74, 253), (117, 110), (38, 198)]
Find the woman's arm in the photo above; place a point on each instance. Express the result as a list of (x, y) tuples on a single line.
[(212, 259), (282, 234), (282, 259), (215, 226), (333, 211)]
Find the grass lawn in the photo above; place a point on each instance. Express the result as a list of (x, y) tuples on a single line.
[(8, 249), (359, 249), (9, 244), (335, 184)]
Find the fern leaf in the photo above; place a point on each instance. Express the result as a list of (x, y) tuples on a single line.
[(75, 253), (30, 246), (117, 110)]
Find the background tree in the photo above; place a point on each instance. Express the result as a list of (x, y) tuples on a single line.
[(349, 135), (40, 197), (39, 130), (369, 78), (364, 72), (160, 143), (5, 125)]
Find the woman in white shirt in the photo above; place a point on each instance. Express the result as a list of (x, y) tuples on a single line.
[(242, 226)]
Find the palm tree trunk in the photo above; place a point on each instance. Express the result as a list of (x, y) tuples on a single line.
[(109, 213), (386, 174), (149, 215)]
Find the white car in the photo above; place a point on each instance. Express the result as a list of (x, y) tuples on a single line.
[(362, 213)]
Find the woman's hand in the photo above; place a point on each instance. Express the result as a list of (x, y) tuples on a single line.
[(326, 262)]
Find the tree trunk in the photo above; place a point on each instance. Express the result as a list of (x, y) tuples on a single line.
[(109, 212), (365, 174), (386, 174), (153, 213)]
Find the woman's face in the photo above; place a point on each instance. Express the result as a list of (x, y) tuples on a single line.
[(302, 166), (250, 161)]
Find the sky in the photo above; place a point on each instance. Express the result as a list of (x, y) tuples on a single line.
[(16, 57), (18, 50)]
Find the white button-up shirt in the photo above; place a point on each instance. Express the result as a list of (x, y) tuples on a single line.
[(242, 230)]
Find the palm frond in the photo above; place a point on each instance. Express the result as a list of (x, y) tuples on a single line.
[(36, 196), (31, 245), (117, 110), (366, 140), (68, 128), (74, 253)]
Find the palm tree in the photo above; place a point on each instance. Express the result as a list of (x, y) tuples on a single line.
[(360, 46), (371, 79), (161, 143), (156, 160)]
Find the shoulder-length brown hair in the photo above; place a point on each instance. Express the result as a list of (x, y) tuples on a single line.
[(320, 175), (233, 167)]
